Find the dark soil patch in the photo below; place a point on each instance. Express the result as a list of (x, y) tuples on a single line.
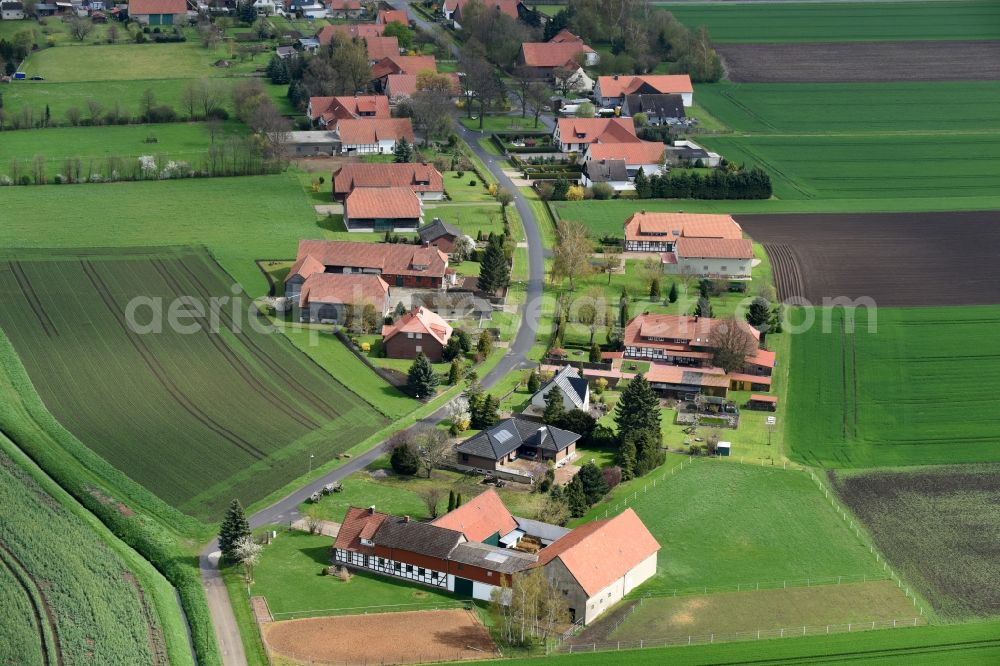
[(897, 259), (853, 62), (939, 527)]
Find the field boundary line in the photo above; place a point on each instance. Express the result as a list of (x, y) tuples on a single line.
[(867, 540), (24, 284), (755, 586), (364, 610), (44, 617), (612, 511)]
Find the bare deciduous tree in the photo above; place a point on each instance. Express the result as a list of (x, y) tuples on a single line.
[(433, 449), (94, 108), (80, 27), (732, 344), (432, 499), (527, 605), (571, 257)]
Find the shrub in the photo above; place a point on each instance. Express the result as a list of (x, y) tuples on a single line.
[(217, 113), (161, 114), (602, 191), (575, 193)]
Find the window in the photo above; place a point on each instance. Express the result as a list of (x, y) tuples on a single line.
[(420, 571), (489, 574), (434, 575), (409, 336), (419, 349), (461, 566), (419, 336), (398, 566), (409, 568), (725, 267)]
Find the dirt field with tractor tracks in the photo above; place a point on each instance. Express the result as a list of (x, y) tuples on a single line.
[(853, 62), (897, 259)]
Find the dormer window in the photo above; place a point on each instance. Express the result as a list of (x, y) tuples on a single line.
[(367, 542)]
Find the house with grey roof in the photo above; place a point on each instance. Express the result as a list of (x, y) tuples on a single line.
[(574, 389), (515, 438), (612, 172), (659, 109), (440, 234)]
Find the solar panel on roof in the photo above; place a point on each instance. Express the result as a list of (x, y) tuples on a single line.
[(503, 436), (496, 557)]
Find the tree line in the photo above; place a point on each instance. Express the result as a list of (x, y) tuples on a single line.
[(720, 183)]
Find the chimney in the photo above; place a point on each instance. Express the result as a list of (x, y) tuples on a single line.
[(616, 77), (371, 510), (696, 318)]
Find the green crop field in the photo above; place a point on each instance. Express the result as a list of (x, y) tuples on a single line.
[(838, 22), (854, 108), (913, 646), (938, 527), (222, 410), (912, 166), (721, 524), (240, 220), (67, 592), (187, 142), (916, 391), (290, 576), (729, 613)]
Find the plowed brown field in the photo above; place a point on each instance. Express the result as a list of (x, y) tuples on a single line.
[(897, 259), (382, 638)]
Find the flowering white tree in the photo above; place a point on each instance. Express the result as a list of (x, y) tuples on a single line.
[(463, 247), (248, 554), (147, 164), (459, 413)]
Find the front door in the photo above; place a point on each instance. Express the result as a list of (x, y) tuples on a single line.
[(463, 587)]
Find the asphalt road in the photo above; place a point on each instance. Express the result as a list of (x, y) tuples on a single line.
[(285, 510)]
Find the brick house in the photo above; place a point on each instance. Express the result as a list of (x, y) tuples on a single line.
[(419, 331), (367, 136), (328, 111), (398, 264), (692, 244), (611, 90), (351, 31), (575, 135), (515, 438)]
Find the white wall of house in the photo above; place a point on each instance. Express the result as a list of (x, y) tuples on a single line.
[(613, 593), (482, 591), (12, 15), (737, 269), (431, 196), (383, 147), (616, 185), (687, 98)]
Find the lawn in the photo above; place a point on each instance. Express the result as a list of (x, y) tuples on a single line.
[(231, 410), (734, 612), (458, 188), (33, 96), (721, 524), (829, 22), (910, 392), (472, 220), (290, 576), (501, 123), (938, 527), (856, 109), (69, 587), (926, 167), (124, 62), (346, 368), (188, 142), (238, 219), (401, 496)]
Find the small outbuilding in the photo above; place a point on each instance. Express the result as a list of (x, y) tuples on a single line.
[(724, 449), (764, 403)]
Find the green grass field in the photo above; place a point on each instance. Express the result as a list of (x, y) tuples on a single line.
[(838, 22), (853, 108), (914, 392), (187, 142), (290, 576), (472, 220), (229, 410), (921, 646), (123, 62), (932, 166), (69, 587), (730, 613), (36, 95), (723, 524), (238, 219)]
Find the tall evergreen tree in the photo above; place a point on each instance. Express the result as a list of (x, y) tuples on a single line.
[(595, 353), (403, 151), (654, 289), (534, 382), (638, 412), (758, 313), (672, 294), (626, 459), (703, 308), (623, 313), (494, 271), (404, 460), (554, 407), (576, 497), (594, 485), (421, 379), (234, 527), (451, 501), (454, 372)]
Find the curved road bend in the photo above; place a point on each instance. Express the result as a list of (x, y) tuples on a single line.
[(286, 509)]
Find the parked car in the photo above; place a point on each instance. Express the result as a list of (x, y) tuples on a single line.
[(37, 78)]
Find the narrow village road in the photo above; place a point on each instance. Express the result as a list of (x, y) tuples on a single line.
[(285, 510)]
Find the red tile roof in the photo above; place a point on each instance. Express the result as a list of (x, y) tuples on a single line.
[(386, 16), (620, 85), (508, 7), (692, 331), (554, 54), (381, 47), (369, 131), (344, 5), (341, 288), (349, 106), (419, 177), (675, 374), (565, 35), (672, 226), (599, 553), (398, 64), (357, 522), (137, 7), (480, 517), (390, 258), (714, 248), (603, 130), (643, 152), (757, 397), (360, 30), (390, 203), (422, 321), (763, 358), (753, 379)]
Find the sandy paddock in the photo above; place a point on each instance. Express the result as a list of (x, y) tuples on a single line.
[(381, 638)]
